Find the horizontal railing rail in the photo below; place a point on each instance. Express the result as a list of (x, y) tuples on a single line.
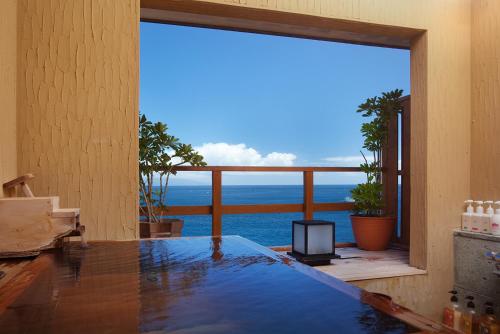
[(265, 169), (193, 210)]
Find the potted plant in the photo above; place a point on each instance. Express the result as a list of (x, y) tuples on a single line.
[(159, 154), (372, 228)]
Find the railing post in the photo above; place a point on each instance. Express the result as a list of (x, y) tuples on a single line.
[(216, 203), (308, 195)]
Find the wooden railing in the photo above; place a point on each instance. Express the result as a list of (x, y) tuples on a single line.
[(390, 171), (217, 209)]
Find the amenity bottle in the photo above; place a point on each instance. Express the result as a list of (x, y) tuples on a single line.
[(495, 221), (488, 323), (486, 222), (467, 216), (477, 217), (469, 322), (451, 313)]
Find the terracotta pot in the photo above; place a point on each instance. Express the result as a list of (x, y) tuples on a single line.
[(167, 227), (373, 233)]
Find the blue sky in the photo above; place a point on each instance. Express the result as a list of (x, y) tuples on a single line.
[(244, 98)]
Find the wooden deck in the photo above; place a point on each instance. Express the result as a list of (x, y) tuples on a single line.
[(356, 264)]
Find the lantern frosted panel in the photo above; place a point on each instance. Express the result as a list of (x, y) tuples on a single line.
[(298, 238), (320, 239)]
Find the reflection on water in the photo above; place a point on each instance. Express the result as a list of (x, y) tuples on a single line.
[(223, 286), (197, 285)]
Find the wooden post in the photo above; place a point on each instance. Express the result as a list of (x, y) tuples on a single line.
[(308, 195), (390, 171), (216, 203), (405, 171)]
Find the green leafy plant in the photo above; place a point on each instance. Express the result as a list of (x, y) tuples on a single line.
[(368, 197), (159, 154)]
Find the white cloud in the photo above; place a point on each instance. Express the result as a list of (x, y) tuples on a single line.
[(351, 160), (220, 154), (347, 161)]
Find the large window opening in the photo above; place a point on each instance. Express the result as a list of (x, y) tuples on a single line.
[(244, 99)]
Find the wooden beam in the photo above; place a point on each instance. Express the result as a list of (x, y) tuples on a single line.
[(264, 169), (216, 203), (272, 22), (390, 171), (419, 152), (405, 172), (188, 210), (308, 195)]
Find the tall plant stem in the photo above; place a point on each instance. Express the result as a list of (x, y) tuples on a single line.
[(166, 186), (153, 216), (160, 195), (150, 215)]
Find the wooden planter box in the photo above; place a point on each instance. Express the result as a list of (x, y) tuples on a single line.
[(167, 227)]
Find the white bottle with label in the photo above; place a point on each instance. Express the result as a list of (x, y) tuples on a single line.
[(495, 221), (488, 216), (477, 217), (467, 216)]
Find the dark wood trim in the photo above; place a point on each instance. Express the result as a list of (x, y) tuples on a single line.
[(419, 148), (275, 22), (405, 171), (265, 169), (193, 210), (385, 304), (390, 171)]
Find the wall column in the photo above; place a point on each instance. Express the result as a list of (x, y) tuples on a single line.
[(78, 78), (8, 63)]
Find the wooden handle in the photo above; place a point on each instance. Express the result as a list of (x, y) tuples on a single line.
[(21, 180)]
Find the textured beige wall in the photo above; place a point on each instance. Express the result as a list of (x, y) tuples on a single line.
[(8, 55), (78, 79), (441, 138), (485, 161)]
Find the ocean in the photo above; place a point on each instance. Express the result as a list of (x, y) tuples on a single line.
[(265, 229)]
